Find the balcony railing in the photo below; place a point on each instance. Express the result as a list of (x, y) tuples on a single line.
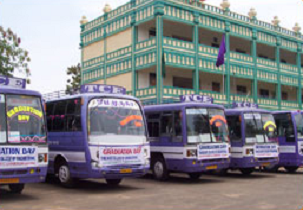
[(176, 92), (241, 57), (267, 63), (289, 67), (146, 44), (175, 43), (147, 92), (218, 97), (267, 102), (239, 98), (208, 50), (290, 104)]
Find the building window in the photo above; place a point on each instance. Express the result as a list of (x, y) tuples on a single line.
[(216, 87), (283, 61), (152, 79), (264, 93), (215, 42), (263, 56), (284, 96), (183, 82), (241, 90), (182, 38), (152, 32), (240, 51)]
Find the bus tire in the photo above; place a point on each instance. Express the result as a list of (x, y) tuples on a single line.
[(247, 171), (159, 169), (16, 188), (194, 176), (64, 176), (291, 169), (113, 182)]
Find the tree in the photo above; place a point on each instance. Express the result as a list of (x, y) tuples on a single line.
[(12, 57), (74, 82)]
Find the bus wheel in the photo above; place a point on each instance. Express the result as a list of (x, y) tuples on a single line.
[(16, 188), (291, 169), (159, 169), (113, 182), (194, 176), (247, 171), (65, 177)]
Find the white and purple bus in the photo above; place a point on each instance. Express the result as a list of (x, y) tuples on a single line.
[(99, 133), (290, 135), (189, 137), (253, 136), (23, 145)]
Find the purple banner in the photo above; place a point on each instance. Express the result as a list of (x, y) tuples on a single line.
[(108, 89), (245, 104), (197, 98), (12, 82)]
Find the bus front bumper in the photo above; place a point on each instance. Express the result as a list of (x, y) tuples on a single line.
[(252, 162), (23, 175), (119, 172)]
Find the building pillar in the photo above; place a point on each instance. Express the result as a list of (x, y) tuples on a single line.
[(196, 76), (82, 56), (255, 71), (227, 62), (159, 12), (279, 89), (299, 92), (105, 55), (134, 43)]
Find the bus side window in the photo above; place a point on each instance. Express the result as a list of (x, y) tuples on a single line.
[(153, 125), (166, 124), (2, 120), (234, 124), (59, 117), (285, 127), (177, 131), (73, 115), (49, 116)]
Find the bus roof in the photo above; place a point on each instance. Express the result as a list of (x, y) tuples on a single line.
[(18, 91), (180, 105), (93, 95), (243, 110), (287, 112)]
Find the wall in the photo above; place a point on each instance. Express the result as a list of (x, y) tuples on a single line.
[(206, 80), (93, 50), (266, 50), (291, 91), (175, 72), (241, 44), (172, 28), (143, 77), (120, 40), (143, 30), (289, 57), (268, 86), (239, 81), (124, 80), (206, 36)]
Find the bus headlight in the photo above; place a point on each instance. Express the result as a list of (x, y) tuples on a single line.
[(249, 151), (42, 158), (146, 153), (191, 153)]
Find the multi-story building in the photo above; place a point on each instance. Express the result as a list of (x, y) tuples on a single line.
[(160, 49)]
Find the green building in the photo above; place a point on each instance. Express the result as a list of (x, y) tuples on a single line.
[(160, 50)]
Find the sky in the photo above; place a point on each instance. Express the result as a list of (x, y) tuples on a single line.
[(50, 30)]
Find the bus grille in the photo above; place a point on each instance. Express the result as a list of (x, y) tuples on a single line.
[(19, 172)]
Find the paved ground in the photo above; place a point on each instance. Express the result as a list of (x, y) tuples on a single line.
[(259, 191)]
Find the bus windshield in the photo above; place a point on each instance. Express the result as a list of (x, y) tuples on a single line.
[(299, 124), (25, 119), (259, 127), (206, 125), (113, 118)]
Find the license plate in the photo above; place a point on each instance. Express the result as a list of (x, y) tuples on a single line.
[(9, 181), (126, 171), (265, 164), (211, 167)]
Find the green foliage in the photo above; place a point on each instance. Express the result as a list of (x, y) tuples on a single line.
[(12, 57), (74, 81)]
